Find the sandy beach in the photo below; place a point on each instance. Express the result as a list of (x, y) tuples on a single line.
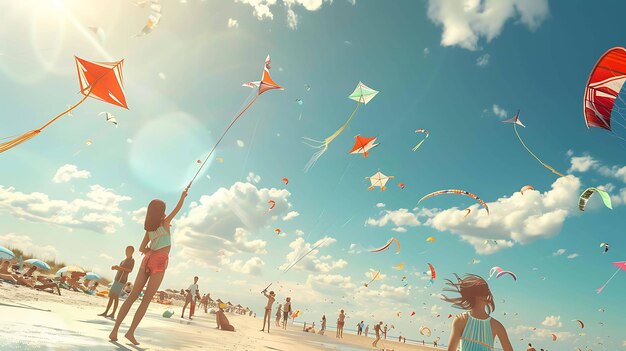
[(35, 320)]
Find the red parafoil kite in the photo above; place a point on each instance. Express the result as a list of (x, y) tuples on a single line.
[(603, 87), (277, 230), (526, 187), (386, 246), (401, 185), (286, 181), (362, 145), (272, 204), (100, 80), (457, 192)]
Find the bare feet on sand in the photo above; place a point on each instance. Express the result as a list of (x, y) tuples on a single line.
[(103, 314), (132, 339), (113, 336), (111, 316)]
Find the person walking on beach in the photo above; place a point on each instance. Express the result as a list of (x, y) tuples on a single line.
[(475, 329), (268, 309), (359, 331), (385, 332), (286, 311), (121, 277), (377, 328), (367, 330), (156, 246), (340, 323), (191, 291), (279, 313)]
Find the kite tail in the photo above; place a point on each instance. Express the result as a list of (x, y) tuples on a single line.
[(322, 146), (535, 156), (222, 137), (31, 134), (418, 145), (599, 290)]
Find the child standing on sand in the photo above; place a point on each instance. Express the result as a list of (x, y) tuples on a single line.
[(124, 268), (340, 323), (268, 309), (155, 246), (475, 330), (279, 314), (286, 311)]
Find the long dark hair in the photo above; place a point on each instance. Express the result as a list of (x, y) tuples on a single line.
[(154, 215), (470, 287)]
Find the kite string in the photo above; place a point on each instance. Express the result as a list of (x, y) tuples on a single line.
[(220, 139), (536, 158), (613, 276)]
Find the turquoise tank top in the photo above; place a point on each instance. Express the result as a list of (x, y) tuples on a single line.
[(477, 335), (159, 239)]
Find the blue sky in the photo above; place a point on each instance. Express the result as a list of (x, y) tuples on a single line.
[(83, 204)]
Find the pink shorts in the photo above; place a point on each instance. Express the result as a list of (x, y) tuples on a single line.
[(155, 262)]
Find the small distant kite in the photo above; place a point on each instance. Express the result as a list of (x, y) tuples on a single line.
[(584, 197), (378, 180), (307, 87), (605, 246), (89, 142), (431, 239), (517, 122), (467, 213), (220, 159), (285, 180), (277, 230), (554, 337), (299, 102), (399, 266), (272, 204), (153, 19), (401, 185), (198, 161), (362, 95), (455, 192), (449, 316), (387, 245), (362, 145), (526, 187), (432, 273), (499, 272), (412, 313), (425, 331), (582, 325), (420, 143), (375, 276), (109, 117)]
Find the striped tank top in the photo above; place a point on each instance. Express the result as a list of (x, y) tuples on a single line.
[(159, 239), (477, 335)]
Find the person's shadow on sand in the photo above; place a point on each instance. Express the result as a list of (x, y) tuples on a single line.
[(127, 347)]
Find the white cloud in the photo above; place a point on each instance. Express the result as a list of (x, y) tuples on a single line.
[(354, 249), (499, 111), (98, 211), (558, 252), (380, 205), (326, 281), (291, 215), (540, 333), (221, 224), (240, 143), (139, 216), (400, 217), (399, 229), (436, 309), (253, 178), (483, 60), (574, 255), (466, 22), (233, 23), (105, 256), (252, 266), (299, 232), (263, 9), (516, 219), (311, 262), (68, 172), (582, 163), (552, 321), (25, 243)]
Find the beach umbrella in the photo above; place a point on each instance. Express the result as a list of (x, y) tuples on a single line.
[(69, 269), (229, 304), (93, 276), (38, 263), (6, 254)]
